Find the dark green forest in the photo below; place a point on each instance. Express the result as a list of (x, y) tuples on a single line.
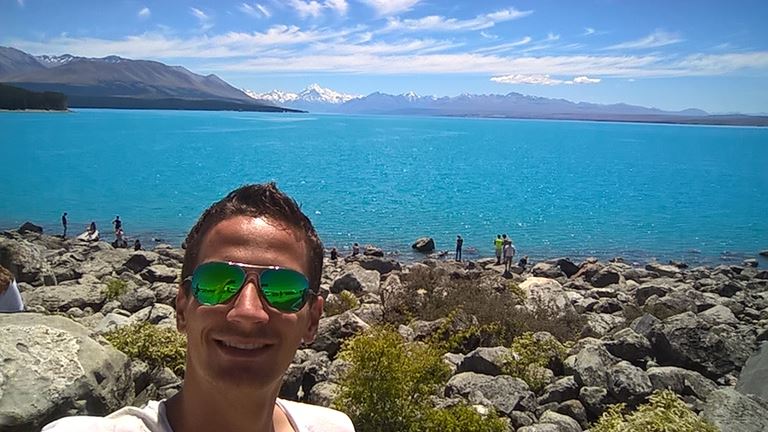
[(14, 98)]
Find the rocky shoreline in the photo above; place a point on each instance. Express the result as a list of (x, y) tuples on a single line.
[(697, 331)]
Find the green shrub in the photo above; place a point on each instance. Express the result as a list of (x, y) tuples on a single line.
[(389, 383), (155, 345), (341, 303), (114, 289), (664, 413), (529, 356), (492, 304), (460, 418)]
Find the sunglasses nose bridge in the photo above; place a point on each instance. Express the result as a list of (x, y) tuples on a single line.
[(248, 305)]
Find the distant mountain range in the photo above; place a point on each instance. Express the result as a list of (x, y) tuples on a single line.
[(510, 105), (116, 82)]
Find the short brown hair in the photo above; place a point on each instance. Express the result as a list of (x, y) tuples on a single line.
[(257, 200), (6, 277)]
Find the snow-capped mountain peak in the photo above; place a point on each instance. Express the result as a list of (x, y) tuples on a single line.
[(53, 61), (314, 93)]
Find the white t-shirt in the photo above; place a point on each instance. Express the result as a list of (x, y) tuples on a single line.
[(10, 300), (152, 418)]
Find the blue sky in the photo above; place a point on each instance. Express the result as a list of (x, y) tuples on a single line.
[(672, 55)]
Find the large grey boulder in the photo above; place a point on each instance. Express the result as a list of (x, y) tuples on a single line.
[(563, 422), (52, 368), (687, 341), (590, 366), (379, 264), (605, 277), (61, 298), (160, 273), (140, 260), (559, 391), (545, 294), (730, 410), (681, 381), (503, 392), (754, 376), (424, 244), (663, 269), (25, 260), (357, 280), (332, 331), (628, 383), (719, 314), (595, 400), (600, 324), (487, 361), (629, 345)]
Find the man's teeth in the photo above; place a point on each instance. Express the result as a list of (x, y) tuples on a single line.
[(242, 346)]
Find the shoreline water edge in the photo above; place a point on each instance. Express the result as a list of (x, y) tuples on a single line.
[(403, 251)]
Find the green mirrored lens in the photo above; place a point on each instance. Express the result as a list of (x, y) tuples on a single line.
[(284, 289), (216, 282)]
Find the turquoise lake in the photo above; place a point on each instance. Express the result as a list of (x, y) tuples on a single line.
[(558, 188)]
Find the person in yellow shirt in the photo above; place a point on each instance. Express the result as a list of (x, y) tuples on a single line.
[(498, 243)]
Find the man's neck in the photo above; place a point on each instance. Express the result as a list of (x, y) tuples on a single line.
[(197, 409)]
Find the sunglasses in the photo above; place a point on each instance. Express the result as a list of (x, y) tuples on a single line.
[(216, 282)]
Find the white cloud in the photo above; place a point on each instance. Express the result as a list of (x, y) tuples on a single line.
[(526, 79), (588, 31), (340, 6), (504, 47), (256, 10), (205, 21), (144, 13), (437, 22), (306, 8), (391, 7), (488, 35), (658, 38), (314, 8), (585, 80), (551, 37), (544, 79), (286, 49), (263, 10)]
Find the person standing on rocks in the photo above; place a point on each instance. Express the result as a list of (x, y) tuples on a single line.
[(498, 243), (10, 298), (117, 223), (249, 297), (459, 244), (355, 249), (64, 224), (509, 254)]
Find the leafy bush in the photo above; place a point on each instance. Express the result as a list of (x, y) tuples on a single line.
[(114, 289), (664, 413), (460, 418), (388, 386), (529, 356), (155, 345), (341, 303), (493, 302)]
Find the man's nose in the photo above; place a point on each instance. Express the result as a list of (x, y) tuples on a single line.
[(248, 307)]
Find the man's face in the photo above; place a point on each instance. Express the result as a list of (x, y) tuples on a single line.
[(244, 342)]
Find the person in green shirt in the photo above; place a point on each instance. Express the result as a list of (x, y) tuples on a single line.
[(498, 243)]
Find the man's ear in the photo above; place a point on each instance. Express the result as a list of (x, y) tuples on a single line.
[(182, 300), (315, 312)]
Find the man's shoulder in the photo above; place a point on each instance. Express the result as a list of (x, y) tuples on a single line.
[(127, 419), (314, 418)]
